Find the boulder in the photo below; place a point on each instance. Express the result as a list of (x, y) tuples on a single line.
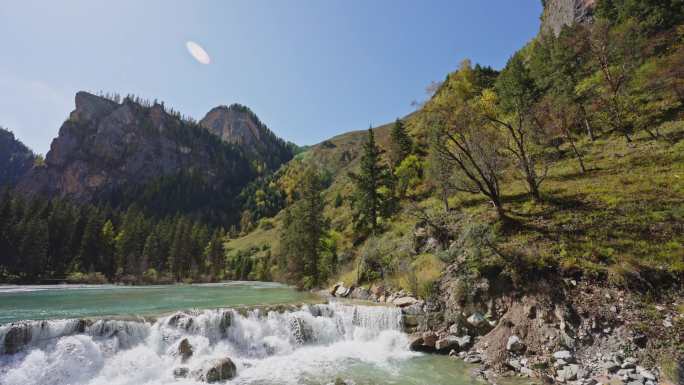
[(476, 320), (568, 373), (184, 350), (453, 343), (404, 301), (410, 321), (220, 370), (181, 372), (646, 374), (473, 358), (333, 289), (342, 291), (226, 321), (514, 364), (611, 367), (629, 363), (429, 339), (16, 338), (360, 293), (416, 343), (564, 355), (415, 309), (465, 342), (448, 343), (377, 290), (455, 328), (514, 344)]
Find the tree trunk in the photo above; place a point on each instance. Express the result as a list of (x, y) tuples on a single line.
[(577, 153), (501, 214), (590, 130)]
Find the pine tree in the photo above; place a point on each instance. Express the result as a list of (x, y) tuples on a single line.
[(304, 227), (402, 145), (91, 244), (214, 254), (372, 197), (108, 248)]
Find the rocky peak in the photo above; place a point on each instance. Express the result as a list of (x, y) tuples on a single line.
[(89, 106), (559, 13), (107, 149), (235, 124)]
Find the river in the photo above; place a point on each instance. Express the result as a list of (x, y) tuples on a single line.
[(97, 335)]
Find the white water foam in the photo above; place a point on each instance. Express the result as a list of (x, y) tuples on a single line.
[(305, 345)]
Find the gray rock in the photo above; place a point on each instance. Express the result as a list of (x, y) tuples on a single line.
[(404, 301), (429, 339), (612, 367), (360, 293), (625, 372), (476, 319), (629, 363), (342, 291), (568, 373), (464, 342), (564, 355), (181, 372), (416, 343), (515, 364), (527, 372), (220, 370), (472, 359), (455, 329), (514, 344), (184, 350), (447, 343), (646, 374), (560, 363), (16, 338), (634, 383), (415, 309)]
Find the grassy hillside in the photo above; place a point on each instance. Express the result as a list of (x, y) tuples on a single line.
[(622, 221)]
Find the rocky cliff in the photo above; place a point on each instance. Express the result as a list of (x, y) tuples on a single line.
[(558, 13), (237, 124), (15, 158), (138, 152)]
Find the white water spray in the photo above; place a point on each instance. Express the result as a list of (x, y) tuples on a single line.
[(305, 345)]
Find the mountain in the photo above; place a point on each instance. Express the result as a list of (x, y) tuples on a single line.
[(559, 13), (15, 158), (137, 152), (237, 124)]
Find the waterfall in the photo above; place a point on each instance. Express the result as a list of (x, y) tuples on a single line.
[(268, 346)]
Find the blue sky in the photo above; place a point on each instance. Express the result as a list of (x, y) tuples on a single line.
[(310, 69)]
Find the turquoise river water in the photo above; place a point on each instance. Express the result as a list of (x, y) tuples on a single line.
[(44, 339)]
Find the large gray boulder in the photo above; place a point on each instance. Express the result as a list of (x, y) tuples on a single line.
[(564, 355), (16, 338), (514, 344), (568, 373), (220, 370), (360, 293), (476, 320), (404, 301), (184, 350)]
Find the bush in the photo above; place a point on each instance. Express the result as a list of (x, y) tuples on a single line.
[(90, 278), (266, 224)]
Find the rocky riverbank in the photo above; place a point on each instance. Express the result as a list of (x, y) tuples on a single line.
[(558, 332)]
